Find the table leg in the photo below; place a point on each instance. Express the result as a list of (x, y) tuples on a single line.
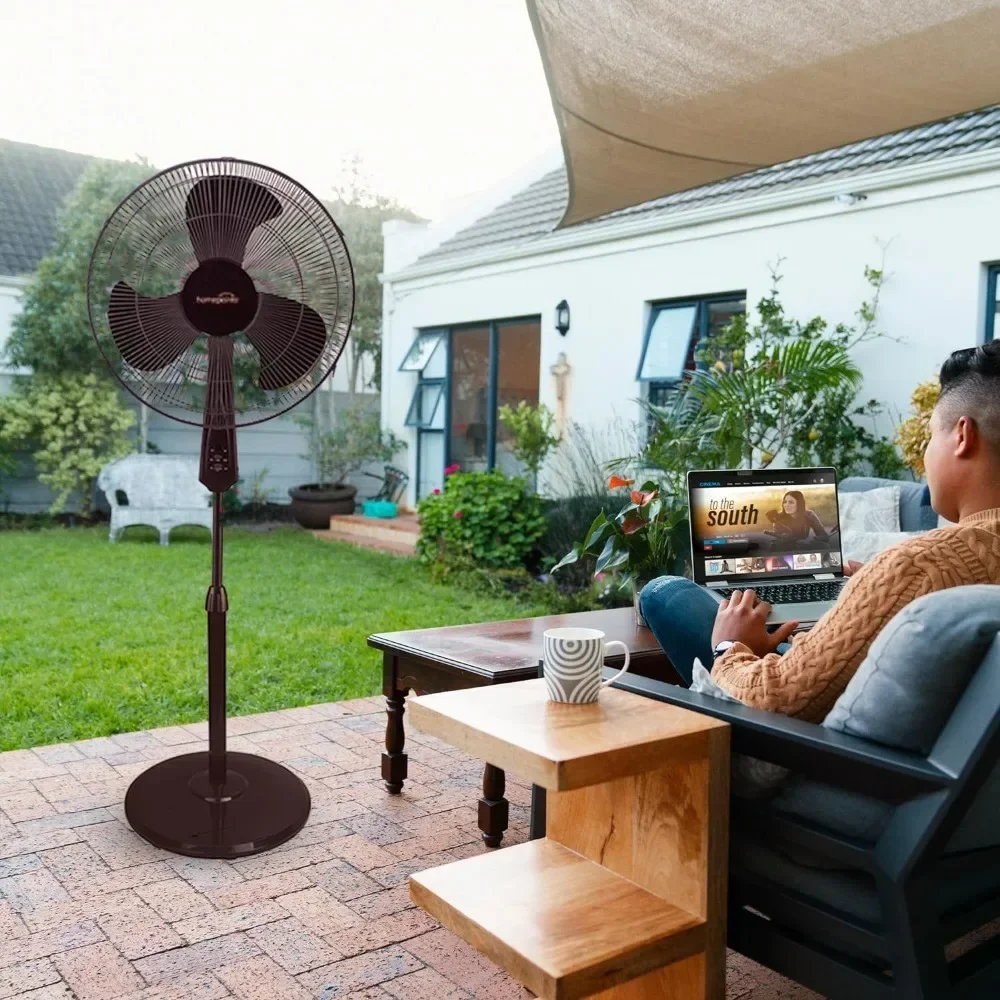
[(493, 807), (537, 827), (393, 760)]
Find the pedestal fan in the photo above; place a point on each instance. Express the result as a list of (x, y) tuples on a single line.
[(221, 294)]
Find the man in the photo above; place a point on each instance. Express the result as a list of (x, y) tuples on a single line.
[(805, 679)]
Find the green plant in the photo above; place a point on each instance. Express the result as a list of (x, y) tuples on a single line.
[(915, 432), (531, 427), (355, 440), (837, 436), (75, 425), (483, 517), (774, 385), (645, 538), (231, 501)]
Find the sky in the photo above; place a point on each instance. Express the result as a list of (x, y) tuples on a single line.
[(440, 99)]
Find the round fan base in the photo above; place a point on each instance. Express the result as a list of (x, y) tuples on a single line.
[(264, 804)]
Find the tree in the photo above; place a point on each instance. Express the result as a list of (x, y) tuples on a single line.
[(51, 335), (360, 213)]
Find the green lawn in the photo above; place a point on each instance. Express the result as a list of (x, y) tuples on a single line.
[(98, 639)]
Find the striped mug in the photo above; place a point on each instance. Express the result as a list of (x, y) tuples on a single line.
[(572, 659)]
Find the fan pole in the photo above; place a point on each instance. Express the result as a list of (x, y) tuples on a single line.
[(217, 604)]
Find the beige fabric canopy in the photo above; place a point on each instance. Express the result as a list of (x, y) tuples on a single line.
[(657, 96)]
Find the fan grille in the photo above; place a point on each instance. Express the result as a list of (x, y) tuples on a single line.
[(148, 243)]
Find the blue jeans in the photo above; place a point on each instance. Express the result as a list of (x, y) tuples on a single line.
[(682, 616)]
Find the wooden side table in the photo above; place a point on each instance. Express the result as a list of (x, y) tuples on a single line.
[(432, 660), (625, 896)]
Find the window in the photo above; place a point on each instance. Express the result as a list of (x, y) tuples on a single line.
[(465, 374), (422, 350), (426, 408), (992, 302), (673, 334)]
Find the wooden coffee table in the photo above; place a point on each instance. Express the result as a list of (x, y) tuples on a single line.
[(432, 660)]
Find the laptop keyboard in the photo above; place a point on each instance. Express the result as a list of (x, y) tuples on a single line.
[(792, 593)]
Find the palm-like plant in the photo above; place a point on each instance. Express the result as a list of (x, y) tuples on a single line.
[(761, 405)]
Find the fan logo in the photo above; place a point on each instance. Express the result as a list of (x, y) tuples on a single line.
[(222, 299)]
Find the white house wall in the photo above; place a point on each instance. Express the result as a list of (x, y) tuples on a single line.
[(938, 236)]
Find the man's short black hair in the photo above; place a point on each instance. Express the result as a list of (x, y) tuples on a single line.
[(970, 387)]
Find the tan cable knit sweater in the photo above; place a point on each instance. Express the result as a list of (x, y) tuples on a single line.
[(809, 678)]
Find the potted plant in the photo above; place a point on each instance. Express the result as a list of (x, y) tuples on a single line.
[(645, 539), (356, 440)]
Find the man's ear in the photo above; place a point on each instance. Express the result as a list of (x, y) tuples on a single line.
[(966, 437)]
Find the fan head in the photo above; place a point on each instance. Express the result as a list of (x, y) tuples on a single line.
[(216, 271)]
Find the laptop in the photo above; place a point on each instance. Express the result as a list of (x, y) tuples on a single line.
[(773, 531)]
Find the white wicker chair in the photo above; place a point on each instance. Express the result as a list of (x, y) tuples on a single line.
[(162, 491)]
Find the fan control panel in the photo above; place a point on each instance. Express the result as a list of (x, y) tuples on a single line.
[(218, 459)]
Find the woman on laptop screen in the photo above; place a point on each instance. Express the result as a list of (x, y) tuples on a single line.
[(795, 521)]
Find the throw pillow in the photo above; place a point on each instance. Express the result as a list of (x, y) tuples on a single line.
[(750, 778), (918, 667), (872, 510), (864, 545)]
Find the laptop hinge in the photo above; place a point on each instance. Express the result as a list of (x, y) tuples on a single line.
[(824, 576), (717, 583)]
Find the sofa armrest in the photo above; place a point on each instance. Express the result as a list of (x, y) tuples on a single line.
[(807, 749)]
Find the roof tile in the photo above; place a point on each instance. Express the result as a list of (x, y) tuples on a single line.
[(34, 180)]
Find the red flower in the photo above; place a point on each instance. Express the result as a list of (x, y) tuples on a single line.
[(640, 499), (452, 469), (457, 514), (632, 522), (436, 490), (616, 482)]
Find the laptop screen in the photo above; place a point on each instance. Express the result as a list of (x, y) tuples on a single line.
[(763, 524)]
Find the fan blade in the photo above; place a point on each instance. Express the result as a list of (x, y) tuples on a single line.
[(150, 333), (289, 337), (222, 212), (218, 438)]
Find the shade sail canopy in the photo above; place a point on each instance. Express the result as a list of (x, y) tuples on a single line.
[(658, 96)]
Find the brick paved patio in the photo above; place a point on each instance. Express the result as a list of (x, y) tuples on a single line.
[(90, 911)]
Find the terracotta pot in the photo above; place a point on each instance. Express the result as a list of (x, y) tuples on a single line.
[(315, 503)]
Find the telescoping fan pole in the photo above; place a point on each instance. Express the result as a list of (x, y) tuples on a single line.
[(217, 604)]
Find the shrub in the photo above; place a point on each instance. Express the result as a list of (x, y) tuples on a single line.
[(915, 432), (75, 425), (567, 520), (483, 517), (355, 440), (531, 427)]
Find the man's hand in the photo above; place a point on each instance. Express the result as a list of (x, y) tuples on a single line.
[(741, 618), (852, 567)]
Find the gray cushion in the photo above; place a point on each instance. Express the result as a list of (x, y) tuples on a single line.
[(902, 695), (918, 667), (915, 511)]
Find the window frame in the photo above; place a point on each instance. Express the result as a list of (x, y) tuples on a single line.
[(989, 325), (656, 310), (446, 332), (422, 386), (439, 334)]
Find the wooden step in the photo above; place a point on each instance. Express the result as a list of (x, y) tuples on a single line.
[(386, 534), (560, 924)]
